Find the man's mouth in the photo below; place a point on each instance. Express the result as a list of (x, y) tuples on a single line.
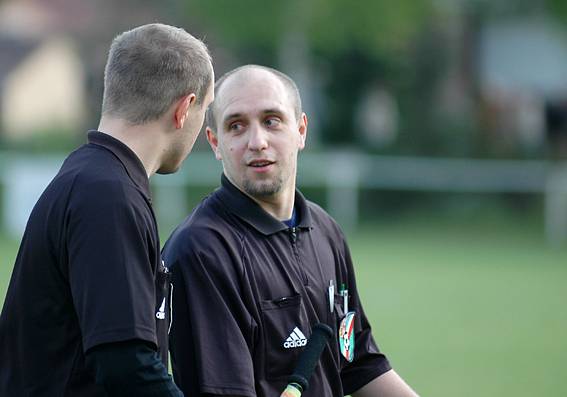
[(260, 163)]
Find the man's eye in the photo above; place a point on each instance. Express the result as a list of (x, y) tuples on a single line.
[(273, 122), (235, 126)]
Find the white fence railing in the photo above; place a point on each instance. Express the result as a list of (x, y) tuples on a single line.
[(343, 174)]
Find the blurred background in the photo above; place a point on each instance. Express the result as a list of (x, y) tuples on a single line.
[(437, 138)]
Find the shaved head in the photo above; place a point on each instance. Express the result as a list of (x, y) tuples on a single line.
[(248, 73)]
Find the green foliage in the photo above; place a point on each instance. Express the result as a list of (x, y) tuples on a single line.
[(243, 23), (558, 8), (410, 49), (383, 28), (352, 45)]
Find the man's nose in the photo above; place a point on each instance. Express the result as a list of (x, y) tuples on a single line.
[(258, 138)]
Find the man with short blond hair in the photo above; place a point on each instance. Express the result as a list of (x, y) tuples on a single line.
[(87, 308)]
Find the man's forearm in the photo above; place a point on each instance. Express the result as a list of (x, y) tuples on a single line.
[(131, 368), (389, 384)]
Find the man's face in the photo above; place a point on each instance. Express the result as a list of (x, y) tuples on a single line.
[(258, 135), (185, 138)]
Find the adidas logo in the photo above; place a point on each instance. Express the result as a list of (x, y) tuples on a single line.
[(295, 339)]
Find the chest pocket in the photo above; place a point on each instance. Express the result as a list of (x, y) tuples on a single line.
[(285, 334)]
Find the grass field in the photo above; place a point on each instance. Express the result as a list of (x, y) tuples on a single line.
[(463, 307)]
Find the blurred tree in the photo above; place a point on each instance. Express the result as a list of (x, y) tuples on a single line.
[(366, 43), (382, 28), (558, 8), (350, 46), (244, 25)]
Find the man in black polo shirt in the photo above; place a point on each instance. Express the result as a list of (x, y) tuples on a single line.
[(87, 311), (257, 265)]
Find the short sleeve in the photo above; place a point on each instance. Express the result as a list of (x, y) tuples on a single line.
[(212, 333), (110, 271), (369, 362)]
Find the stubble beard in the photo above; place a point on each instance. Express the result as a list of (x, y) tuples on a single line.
[(271, 186), (263, 188)]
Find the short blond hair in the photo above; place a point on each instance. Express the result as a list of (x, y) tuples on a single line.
[(149, 68)]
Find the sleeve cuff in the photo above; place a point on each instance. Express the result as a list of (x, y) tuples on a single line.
[(362, 378)]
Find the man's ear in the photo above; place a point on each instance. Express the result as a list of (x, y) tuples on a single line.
[(182, 109), (302, 129), (214, 142)]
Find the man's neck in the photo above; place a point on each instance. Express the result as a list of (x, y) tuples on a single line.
[(280, 206), (141, 139)]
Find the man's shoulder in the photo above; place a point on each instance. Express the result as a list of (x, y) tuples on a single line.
[(92, 167), (209, 240), (89, 178), (94, 189), (322, 219), (316, 210), (209, 225)]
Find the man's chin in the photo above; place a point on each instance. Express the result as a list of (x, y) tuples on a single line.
[(262, 189), (168, 169)]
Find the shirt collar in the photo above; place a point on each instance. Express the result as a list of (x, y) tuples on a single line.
[(251, 212), (133, 165)]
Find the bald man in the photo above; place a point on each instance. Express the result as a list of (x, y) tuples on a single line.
[(256, 265)]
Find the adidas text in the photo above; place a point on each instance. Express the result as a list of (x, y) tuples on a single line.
[(295, 343), (295, 339)]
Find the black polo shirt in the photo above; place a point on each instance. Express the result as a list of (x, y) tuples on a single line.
[(88, 272), (246, 292)]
